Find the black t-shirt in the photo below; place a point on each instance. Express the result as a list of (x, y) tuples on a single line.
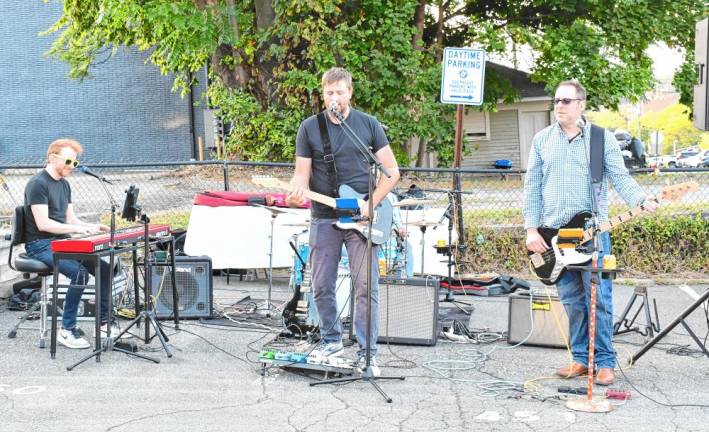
[(352, 168), (55, 194)]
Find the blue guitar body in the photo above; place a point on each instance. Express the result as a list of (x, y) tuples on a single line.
[(381, 221)]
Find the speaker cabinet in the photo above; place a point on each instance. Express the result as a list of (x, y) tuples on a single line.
[(408, 311), (194, 287), (551, 325)]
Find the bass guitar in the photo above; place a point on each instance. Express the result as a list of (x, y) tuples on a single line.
[(348, 204), (550, 265)]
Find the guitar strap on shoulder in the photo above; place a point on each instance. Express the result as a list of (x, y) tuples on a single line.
[(328, 157), (596, 149)]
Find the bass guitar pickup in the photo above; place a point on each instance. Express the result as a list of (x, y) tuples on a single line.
[(569, 238)]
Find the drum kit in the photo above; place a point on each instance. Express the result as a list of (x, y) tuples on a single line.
[(393, 253), (395, 260)]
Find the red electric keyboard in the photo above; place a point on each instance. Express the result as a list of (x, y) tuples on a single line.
[(98, 242)]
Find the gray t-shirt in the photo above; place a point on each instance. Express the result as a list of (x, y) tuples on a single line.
[(352, 168), (55, 194)]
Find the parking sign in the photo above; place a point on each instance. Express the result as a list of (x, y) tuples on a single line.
[(463, 76)]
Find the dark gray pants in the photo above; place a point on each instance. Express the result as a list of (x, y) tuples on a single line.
[(325, 249)]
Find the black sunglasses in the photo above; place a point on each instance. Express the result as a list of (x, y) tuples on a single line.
[(67, 161), (565, 101)]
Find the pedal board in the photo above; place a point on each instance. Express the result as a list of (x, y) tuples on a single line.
[(303, 359)]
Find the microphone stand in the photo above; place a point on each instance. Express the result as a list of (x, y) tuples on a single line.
[(588, 404), (375, 166), (109, 345)]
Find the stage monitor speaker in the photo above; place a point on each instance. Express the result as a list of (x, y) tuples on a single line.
[(551, 325), (194, 287), (701, 89), (408, 310)]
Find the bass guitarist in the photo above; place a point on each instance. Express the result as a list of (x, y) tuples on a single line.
[(326, 157), (557, 187)]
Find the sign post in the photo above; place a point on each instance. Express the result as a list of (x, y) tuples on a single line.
[(462, 83)]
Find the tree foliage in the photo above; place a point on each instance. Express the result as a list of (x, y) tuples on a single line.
[(265, 57), (675, 125)]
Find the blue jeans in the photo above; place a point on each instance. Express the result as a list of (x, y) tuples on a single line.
[(77, 272), (325, 250), (575, 294)]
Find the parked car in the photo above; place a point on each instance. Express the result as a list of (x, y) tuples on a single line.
[(663, 161), (684, 158), (705, 162), (697, 160)]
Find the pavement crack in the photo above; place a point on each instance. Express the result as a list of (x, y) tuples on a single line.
[(168, 413)]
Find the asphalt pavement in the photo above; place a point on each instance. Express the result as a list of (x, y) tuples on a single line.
[(214, 381)]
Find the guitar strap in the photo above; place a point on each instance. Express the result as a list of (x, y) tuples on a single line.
[(596, 160), (597, 142), (328, 157)]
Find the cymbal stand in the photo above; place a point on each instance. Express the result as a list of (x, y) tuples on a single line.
[(450, 298)]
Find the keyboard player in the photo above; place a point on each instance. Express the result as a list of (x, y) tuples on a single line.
[(49, 215)]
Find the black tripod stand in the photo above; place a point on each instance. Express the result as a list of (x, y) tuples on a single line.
[(147, 314), (449, 250), (374, 166), (130, 210)]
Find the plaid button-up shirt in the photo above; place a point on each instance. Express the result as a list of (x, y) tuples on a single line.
[(557, 184)]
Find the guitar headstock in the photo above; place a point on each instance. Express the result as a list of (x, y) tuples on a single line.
[(268, 181), (674, 192)]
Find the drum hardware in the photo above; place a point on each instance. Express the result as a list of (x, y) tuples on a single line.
[(413, 202)]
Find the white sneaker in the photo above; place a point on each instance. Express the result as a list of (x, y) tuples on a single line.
[(362, 366), (72, 339), (115, 330), (328, 349)]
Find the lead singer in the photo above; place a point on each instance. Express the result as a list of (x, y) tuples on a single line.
[(323, 171)]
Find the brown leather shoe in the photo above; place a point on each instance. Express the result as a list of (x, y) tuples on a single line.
[(576, 369), (605, 376)]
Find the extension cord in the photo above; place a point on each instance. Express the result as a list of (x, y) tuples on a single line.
[(126, 313)]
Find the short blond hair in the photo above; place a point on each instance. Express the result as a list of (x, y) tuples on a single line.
[(337, 74), (57, 146)]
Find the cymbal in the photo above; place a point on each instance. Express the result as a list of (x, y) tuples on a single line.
[(274, 210), (423, 223), (413, 202)]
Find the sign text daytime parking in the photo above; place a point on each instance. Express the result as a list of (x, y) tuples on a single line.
[(463, 76)]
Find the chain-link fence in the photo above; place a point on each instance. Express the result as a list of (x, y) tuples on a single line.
[(491, 199)]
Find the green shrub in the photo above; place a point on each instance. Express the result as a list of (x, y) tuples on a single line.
[(650, 245)]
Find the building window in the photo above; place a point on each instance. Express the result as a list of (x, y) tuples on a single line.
[(476, 126)]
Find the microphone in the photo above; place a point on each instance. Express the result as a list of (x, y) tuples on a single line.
[(334, 107), (87, 171)]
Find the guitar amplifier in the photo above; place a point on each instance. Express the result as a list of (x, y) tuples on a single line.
[(408, 311), (548, 318), (194, 287)]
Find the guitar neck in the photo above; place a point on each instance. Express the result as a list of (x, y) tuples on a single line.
[(615, 221), (322, 199)]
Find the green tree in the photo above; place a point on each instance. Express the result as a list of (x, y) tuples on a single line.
[(675, 125), (265, 57)]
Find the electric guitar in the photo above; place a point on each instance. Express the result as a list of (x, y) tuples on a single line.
[(550, 265), (348, 202)]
